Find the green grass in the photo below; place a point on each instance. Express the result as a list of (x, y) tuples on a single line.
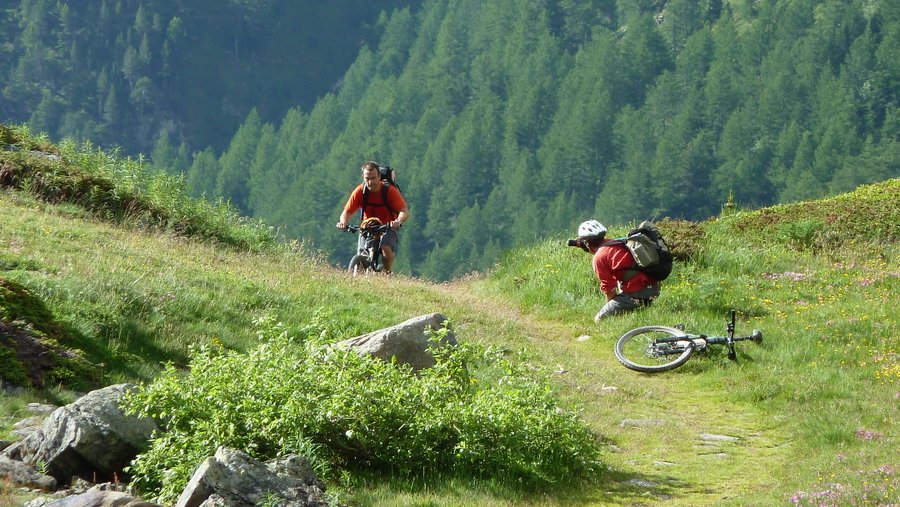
[(813, 408)]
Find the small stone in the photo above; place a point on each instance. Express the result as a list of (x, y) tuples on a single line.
[(641, 423), (710, 437)]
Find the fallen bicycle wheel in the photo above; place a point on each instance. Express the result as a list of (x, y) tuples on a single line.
[(653, 349)]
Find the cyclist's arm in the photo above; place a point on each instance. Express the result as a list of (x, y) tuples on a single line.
[(402, 216), (344, 219), (353, 204)]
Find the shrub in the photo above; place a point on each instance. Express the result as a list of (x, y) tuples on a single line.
[(476, 413)]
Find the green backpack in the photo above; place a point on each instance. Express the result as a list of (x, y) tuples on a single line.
[(650, 252)]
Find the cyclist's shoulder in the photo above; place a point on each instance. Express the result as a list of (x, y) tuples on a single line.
[(394, 195), (612, 243)]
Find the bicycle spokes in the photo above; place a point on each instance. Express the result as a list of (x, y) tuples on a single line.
[(653, 348)]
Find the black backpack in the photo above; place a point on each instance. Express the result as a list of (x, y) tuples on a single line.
[(388, 178), (650, 252)]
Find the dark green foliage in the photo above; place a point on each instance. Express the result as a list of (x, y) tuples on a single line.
[(11, 370), (509, 121), (650, 113), (131, 70)]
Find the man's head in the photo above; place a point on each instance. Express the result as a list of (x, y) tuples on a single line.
[(371, 176), (591, 232)]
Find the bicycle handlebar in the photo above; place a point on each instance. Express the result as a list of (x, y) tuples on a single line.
[(380, 228)]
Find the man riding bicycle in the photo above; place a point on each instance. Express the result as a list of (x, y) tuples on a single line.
[(379, 199)]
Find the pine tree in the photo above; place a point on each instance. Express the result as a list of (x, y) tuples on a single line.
[(233, 178)]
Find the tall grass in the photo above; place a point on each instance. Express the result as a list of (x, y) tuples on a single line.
[(822, 290), (122, 190)]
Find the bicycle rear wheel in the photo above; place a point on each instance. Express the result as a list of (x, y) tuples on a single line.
[(359, 264), (639, 350)]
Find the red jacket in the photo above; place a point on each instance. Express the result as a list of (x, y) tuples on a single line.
[(611, 261)]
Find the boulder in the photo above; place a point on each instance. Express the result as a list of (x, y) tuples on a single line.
[(25, 476), (101, 498), (91, 438), (410, 342), (234, 479)]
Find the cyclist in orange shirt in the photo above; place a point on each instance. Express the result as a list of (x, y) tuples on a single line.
[(380, 199)]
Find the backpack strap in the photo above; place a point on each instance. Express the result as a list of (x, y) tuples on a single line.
[(627, 273), (384, 199)]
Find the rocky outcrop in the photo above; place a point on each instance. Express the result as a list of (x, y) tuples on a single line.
[(94, 440), (23, 475), (233, 478), (91, 438), (409, 342)]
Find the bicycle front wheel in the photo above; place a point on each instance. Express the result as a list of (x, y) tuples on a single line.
[(640, 349), (359, 264)]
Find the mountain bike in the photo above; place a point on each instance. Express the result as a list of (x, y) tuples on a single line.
[(653, 349), (368, 258)]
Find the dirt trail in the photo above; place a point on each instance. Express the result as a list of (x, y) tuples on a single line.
[(671, 440)]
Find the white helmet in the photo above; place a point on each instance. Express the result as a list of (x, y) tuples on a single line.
[(591, 229)]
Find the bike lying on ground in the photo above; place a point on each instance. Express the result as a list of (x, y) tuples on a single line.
[(368, 258), (653, 349)]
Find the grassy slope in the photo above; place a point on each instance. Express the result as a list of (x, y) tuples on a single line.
[(814, 406)]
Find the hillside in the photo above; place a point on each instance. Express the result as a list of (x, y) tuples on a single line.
[(507, 121), (178, 76), (807, 417), (516, 119)]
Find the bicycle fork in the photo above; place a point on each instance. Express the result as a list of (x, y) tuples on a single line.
[(730, 341)]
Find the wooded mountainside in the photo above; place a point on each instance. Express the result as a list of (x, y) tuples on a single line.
[(124, 72), (506, 120)]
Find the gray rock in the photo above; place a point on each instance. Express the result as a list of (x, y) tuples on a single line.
[(410, 342), (27, 426), (90, 438), (23, 475), (641, 423), (713, 438), (234, 479), (101, 498), (40, 408)]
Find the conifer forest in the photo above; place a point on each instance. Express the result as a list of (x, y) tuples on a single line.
[(507, 121)]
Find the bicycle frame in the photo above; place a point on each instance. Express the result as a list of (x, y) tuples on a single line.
[(371, 249), (368, 256), (700, 341), (649, 349)]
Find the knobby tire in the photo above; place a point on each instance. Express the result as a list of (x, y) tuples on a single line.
[(635, 349), (359, 265)]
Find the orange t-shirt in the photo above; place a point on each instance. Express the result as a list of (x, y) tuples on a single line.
[(375, 206)]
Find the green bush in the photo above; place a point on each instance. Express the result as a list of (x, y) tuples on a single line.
[(11, 370), (476, 414)]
